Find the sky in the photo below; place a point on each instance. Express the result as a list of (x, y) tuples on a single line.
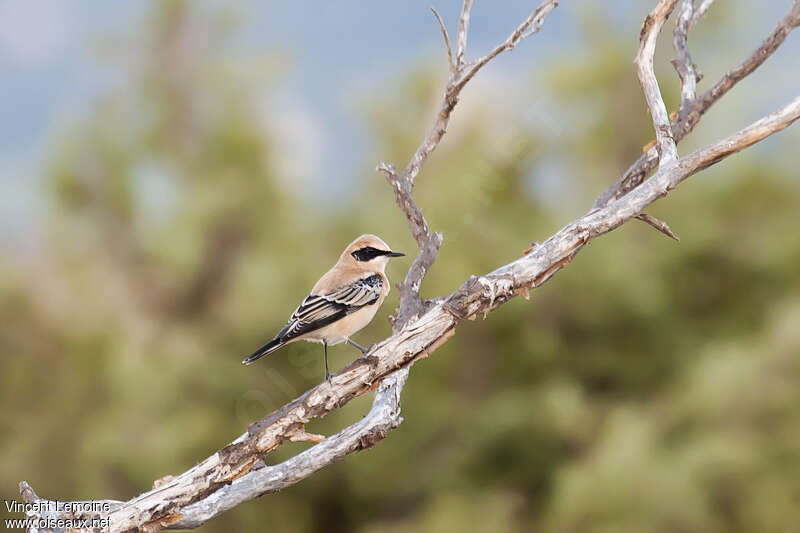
[(337, 52)]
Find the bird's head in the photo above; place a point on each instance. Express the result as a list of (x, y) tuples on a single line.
[(369, 251)]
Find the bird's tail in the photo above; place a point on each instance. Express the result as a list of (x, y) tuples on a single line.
[(268, 348)]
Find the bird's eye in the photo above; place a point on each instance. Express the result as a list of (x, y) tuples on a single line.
[(367, 253)]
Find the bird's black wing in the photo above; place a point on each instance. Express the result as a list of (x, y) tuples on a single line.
[(319, 310)]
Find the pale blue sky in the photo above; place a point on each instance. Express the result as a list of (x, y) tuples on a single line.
[(50, 73)]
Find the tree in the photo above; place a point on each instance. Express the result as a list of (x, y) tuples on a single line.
[(236, 473)]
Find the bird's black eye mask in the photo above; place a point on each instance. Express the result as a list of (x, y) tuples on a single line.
[(368, 253)]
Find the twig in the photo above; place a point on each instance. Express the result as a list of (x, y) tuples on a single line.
[(683, 63), (411, 305), (688, 80), (529, 26), (659, 225), (653, 23), (463, 28), (446, 40), (682, 126), (700, 12)]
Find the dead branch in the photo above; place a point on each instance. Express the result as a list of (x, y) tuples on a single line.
[(700, 12), (461, 71), (658, 225), (237, 473), (682, 126), (665, 144), (683, 63)]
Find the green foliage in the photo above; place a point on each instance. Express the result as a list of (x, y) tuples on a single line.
[(648, 387)]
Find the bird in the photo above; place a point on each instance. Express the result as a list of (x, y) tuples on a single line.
[(344, 300)]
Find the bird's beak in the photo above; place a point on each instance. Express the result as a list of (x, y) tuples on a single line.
[(395, 254)]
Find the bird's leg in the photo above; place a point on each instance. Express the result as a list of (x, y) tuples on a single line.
[(364, 351), (327, 372)]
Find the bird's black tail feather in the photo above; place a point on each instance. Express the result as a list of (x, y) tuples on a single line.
[(268, 348)]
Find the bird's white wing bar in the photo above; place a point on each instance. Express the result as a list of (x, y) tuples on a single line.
[(358, 294), (319, 310)]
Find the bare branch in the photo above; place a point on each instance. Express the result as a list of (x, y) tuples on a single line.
[(529, 26), (659, 225), (683, 63), (382, 418), (700, 12), (464, 73), (682, 126), (688, 80), (647, 78), (463, 28), (85, 514), (446, 40), (411, 305)]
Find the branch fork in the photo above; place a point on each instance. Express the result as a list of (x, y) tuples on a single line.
[(461, 72)]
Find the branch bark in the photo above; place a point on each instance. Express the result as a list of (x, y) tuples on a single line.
[(665, 143), (237, 473), (683, 63)]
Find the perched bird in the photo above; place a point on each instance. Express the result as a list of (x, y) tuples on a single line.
[(343, 301)]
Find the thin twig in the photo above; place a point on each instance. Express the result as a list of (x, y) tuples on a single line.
[(688, 81), (446, 40), (683, 63), (659, 225), (411, 305), (700, 12), (463, 28), (529, 26), (653, 23)]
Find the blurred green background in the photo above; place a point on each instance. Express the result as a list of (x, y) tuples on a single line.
[(176, 214)]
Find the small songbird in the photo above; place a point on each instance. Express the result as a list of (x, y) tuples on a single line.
[(343, 301)]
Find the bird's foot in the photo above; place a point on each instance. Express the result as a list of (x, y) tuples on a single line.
[(364, 351)]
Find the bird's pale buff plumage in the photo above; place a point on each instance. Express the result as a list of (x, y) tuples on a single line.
[(343, 301)]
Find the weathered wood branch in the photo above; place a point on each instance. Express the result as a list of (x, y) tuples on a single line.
[(700, 12), (688, 76), (687, 73), (637, 172), (461, 72), (658, 225), (446, 38), (382, 417), (237, 472), (653, 23)]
